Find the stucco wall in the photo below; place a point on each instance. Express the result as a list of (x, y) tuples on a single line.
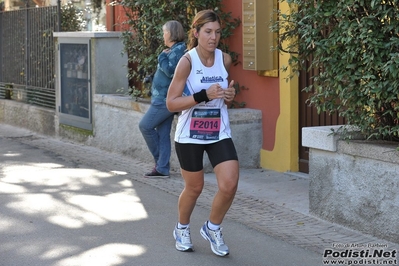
[(37, 119), (354, 183)]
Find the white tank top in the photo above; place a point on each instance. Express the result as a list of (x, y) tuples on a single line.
[(204, 123)]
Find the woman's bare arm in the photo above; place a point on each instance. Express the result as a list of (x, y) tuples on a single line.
[(175, 102), (230, 92)]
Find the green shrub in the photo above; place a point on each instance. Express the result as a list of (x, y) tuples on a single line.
[(143, 40), (354, 46), (71, 17)]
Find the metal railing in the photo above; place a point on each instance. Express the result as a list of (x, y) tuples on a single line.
[(27, 55), (32, 95)]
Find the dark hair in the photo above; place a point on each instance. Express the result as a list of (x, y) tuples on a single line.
[(176, 30), (201, 18)]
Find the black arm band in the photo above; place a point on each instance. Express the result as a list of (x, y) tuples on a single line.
[(200, 96)]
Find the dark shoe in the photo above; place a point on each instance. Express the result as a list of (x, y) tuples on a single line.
[(155, 173)]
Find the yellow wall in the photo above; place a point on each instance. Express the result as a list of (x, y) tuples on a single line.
[(284, 156)]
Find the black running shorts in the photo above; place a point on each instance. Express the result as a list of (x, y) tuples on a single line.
[(191, 155)]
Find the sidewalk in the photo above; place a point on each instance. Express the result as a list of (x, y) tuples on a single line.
[(271, 202)]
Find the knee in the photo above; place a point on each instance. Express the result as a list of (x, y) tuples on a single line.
[(228, 188), (141, 126), (195, 191)]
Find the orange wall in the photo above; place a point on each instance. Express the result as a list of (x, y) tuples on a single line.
[(263, 92)]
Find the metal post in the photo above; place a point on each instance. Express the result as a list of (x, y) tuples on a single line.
[(27, 48), (1, 46), (88, 15), (59, 15)]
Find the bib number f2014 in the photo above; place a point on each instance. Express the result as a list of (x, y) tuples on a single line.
[(205, 124)]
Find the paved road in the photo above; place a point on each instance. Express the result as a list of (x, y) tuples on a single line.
[(68, 204)]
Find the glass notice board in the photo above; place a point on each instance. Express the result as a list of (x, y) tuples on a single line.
[(75, 92)]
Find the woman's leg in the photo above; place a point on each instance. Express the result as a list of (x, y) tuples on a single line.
[(224, 159), (155, 115), (227, 175), (190, 158), (147, 127), (193, 184), (227, 179), (163, 130)]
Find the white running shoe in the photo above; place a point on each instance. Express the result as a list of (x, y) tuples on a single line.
[(183, 239), (215, 238)]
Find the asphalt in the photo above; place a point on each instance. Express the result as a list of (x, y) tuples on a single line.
[(64, 203)]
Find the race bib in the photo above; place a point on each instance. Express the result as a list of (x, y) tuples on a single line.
[(205, 124)]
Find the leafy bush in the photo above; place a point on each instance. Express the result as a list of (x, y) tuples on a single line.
[(143, 40), (354, 46), (71, 18)]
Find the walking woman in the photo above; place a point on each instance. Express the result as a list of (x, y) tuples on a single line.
[(200, 90), (156, 124)]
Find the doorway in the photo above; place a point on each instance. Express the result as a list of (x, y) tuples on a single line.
[(308, 117)]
